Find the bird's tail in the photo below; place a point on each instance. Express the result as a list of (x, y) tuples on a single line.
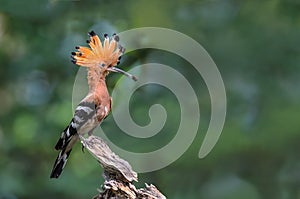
[(60, 163)]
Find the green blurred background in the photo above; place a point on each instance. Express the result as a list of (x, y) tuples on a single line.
[(255, 45)]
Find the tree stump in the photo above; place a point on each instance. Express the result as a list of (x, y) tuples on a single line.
[(118, 174)]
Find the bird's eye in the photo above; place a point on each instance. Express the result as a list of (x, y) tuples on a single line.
[(102, 65)]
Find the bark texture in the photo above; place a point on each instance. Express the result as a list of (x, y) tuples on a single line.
[(118, 174)]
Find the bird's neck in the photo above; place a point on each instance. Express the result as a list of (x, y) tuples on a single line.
[(96, 81)]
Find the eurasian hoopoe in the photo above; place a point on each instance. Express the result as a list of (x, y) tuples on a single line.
[(99, 60)]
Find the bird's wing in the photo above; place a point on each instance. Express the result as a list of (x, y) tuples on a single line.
[(83, 117)]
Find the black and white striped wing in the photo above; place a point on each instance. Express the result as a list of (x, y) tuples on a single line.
[(84, 115)]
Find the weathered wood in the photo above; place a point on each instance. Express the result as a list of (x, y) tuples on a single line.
[(118, 174)]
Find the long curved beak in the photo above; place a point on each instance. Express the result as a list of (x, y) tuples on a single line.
[(118, 70)]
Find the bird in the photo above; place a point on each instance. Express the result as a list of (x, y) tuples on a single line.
[(100, 59)]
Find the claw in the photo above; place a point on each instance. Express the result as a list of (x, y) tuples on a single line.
[(82, 144), (82, 148)]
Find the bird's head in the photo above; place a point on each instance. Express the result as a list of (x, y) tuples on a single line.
[(101, 57)]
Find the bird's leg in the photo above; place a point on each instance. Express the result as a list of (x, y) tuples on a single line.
[(82, 147), (82, 144)]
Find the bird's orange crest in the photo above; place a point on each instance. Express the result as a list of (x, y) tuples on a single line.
[(106, 55), (99, 54)]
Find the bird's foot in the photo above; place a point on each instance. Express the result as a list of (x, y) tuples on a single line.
[(82, 148)]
